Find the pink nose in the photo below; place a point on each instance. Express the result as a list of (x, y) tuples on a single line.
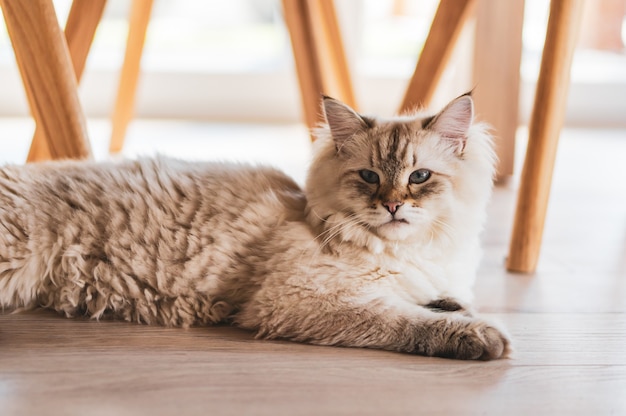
[(392, 206)]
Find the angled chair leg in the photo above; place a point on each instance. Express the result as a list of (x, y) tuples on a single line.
[(80, 29), (446, 27), (46, 68), (297, 18), (127, 89), (497, 62), (335, 71), (318, 53), (544, 129)]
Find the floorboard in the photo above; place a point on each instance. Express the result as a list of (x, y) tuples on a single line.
[(573, 363), (567, 322)]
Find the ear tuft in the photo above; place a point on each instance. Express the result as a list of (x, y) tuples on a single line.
[(454, 121), (343, 121)]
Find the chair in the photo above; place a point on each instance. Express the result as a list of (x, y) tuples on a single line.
[(321, 68), (544, 129), (316, 44), (48, 74), (547, 116)]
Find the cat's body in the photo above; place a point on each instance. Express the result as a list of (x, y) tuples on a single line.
[(380, 251)]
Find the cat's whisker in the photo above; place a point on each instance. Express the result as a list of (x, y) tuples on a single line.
[(442, 228), (345, 261), (343, 227), (326, 236), (336, 228), (323, 220)]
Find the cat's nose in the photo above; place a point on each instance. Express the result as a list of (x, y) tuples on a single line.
[(392, 206)]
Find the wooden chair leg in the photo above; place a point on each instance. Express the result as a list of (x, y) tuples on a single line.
[(307, 63), (46, 68), (125, 102), (496, 71), (318, 53), (446, 27), (335, 71), (80, 29), (545, 125)]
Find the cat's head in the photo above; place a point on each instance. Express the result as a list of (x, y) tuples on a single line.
[(407, 178)]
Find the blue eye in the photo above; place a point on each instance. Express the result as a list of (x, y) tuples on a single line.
[(419, 176), (369, 176)]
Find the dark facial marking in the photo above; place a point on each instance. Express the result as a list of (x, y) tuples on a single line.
[(394, 141), (399, 144), (361, 187), (393, 157), (426, 190)]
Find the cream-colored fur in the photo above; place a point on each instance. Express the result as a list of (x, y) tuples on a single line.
[(382, 264)]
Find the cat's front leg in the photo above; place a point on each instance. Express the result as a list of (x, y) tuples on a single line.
[(380, 323)]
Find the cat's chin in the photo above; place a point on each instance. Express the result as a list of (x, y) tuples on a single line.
[(395, 230)]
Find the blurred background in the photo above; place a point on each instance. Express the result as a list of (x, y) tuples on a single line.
[(229, 64)]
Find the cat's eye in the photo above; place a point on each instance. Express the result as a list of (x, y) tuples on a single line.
[(369, 176), (419, 176)]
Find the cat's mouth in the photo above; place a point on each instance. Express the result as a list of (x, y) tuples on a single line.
[(395, 229), (396, 221)]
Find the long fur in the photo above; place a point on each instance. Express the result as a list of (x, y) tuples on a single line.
[(161, 241)]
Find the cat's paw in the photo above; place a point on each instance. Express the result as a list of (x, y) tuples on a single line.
[(479, 340)]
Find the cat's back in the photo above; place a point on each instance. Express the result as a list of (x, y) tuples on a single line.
[(152, 240), (163, 183), (154, 210)]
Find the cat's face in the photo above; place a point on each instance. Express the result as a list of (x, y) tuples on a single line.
[(396, 178)]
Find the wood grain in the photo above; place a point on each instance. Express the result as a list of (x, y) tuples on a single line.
[(319, 56), (54, 366), (447, 25), (567, 322), (545, 124), (127, 88), (298, 21), (46, 68), (335, 71), (80, 29), (496, 71)]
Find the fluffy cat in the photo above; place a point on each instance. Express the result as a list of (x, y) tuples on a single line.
[(379, 251)]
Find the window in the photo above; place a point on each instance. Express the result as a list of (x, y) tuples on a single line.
[(231, 60)]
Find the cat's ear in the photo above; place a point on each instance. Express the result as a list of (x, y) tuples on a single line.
[(454, 121), (343, 121)]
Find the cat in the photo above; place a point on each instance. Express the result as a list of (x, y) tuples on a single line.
[(380, 249)]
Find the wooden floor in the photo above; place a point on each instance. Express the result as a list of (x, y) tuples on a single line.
[(567, 322)]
